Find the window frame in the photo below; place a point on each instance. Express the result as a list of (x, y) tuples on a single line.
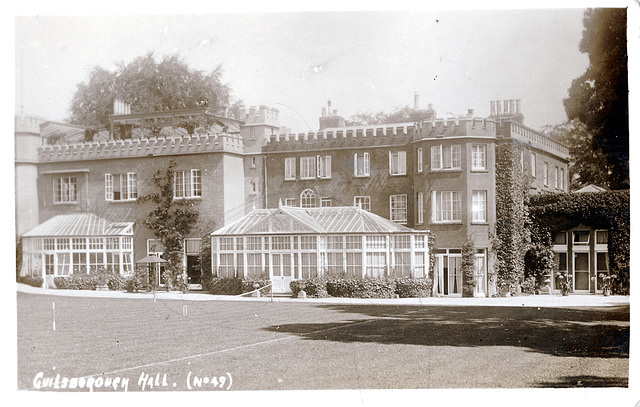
[(420, 208), (438, 209), (70, 184), (477, 155), (290, 169), (475, 202), (305, 196), (366, 199), (439, 153), (194, 188), (395, 205), (127, 182), (308, 167), (366, 164), (397, 163), (419, 161), (324, 167)]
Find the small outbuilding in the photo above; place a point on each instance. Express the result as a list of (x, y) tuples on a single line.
[(291, 243)]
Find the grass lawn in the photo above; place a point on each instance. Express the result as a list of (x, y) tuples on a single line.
[(290, 345)]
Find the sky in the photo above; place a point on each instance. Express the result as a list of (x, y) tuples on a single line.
[(362, 61)]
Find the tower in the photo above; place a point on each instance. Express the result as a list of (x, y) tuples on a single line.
[(27, 141)]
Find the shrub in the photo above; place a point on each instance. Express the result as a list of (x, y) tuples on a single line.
[(117, 282), (314, 287), (529, 285), (413, 287), (468, 269), (224, 286), (361, 288), (32, 281), (251, 284)]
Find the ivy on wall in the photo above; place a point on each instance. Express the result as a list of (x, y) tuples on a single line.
[(599, 210), (171, 220), (511, 239), (467, 266)]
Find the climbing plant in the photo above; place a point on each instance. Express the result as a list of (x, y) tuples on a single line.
[(608, 210), (171, 220), (511, 239), (467, 266)]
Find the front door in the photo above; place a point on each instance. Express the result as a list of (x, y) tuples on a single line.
[(193, 269), (581, 271), (282, 276)]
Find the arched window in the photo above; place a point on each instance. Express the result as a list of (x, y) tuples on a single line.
[(307, 199)]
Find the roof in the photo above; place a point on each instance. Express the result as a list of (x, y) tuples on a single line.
[(591, 188), (80, 224), (334, 220)]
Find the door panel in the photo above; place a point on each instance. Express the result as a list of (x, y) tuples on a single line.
[(581, 271)]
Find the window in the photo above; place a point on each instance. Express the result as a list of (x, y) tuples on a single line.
[(254, 188), (65, 190), (562, 179), (602, 236), (560, 238), (580, 237), (307, 199), (290, 202), (187, 184), (254, 243), (397, 162), (307, 167), (120, 187), (419, 161), (253, 161), (324, 167), (559, 266), (478, 157), (479, 206), (522, 160), (545, 173), (398, 208), (445, 157), (446, 206), (290, 168), (361, 165), (533, 164), (325, 202), (362, 202), (420, 206), (556, 175)]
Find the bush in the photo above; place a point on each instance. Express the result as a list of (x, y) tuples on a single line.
[(76, 282), (315, 287), (224, 286), (251, 284), (361, 288), (32, 281), (529, 285), (413, 287), (117, 282)]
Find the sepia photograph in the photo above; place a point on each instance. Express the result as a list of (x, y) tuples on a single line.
[(349, 205)]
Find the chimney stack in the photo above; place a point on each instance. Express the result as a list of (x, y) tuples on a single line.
[(416, 101)]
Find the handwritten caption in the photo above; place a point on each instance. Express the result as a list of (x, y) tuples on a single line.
[(145, 382)]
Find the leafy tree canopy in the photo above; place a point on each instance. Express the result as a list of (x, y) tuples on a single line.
[(600, 97), (149, 86), (587, 163), (398, 115)]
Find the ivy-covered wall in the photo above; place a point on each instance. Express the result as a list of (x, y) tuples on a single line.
[(599, 210), (511, 239)]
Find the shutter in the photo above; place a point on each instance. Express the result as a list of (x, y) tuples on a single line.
[(327, 167), (366, 164), (355, 165), (403, 162), (434, 209), (108, 187), (390, 163), (319, 172)]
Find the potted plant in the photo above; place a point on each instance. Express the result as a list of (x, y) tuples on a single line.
[(606, 280), (565, 282)]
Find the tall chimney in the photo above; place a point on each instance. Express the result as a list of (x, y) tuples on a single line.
[(518, 107), (416, 101), (329, 107), (493, 108), (324, 111)]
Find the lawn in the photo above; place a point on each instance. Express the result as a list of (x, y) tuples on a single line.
[(245, 345)]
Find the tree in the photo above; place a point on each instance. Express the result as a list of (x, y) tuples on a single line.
[(587, 163), (600, 97), (171, 220), (149, 86), (398, 115), (468, 268)]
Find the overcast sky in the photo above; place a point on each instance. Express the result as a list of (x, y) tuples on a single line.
[(295, 62)]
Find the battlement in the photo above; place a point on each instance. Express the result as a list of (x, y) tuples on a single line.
[(262, 115), (536, 139), (377, 134), (462, 126), (141, 147), (27, 124)]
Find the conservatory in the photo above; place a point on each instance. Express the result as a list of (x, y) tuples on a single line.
[(77, 244), (290, 243)]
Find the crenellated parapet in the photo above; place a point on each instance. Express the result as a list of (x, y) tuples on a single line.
[(142, 147), (535, 139), (356, 136), (465, 126)]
